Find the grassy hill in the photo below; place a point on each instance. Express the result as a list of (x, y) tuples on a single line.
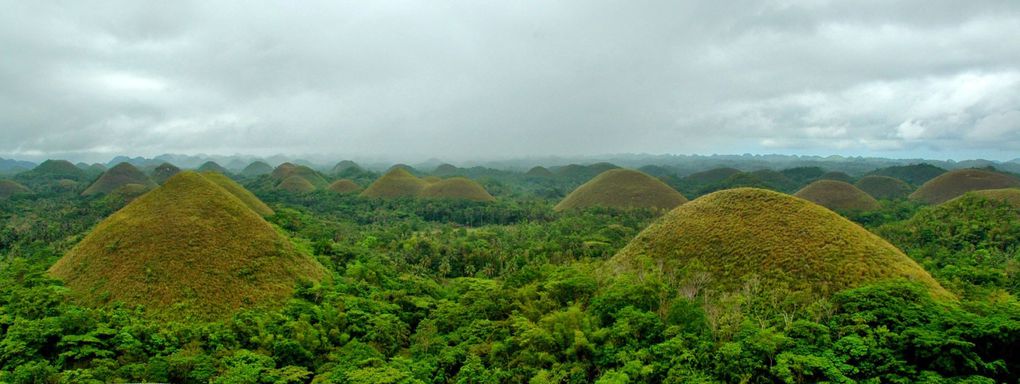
[(286, 170), (1009, 196), (884, 187), (539, 171), (212, 166), (838, 176), (257, 168), (10, 188), (445, 170), (622, 189), (711, 176), (914, 174), (186, 249), (951, 184), (249, 199), (456, 188), (116, 177), (296, 184), (163, 172), (344, 166), (398, 182), (838, 196), (732, 235), (55, 170), (344, 186)]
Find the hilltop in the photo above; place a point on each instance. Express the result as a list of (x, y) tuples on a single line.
[(116, 177), (257, 168), (296, 184), (287, 170), (398, 182), (955, 183), (249, 199), (344, 186), (445, 169), (622, 189), (884, 187), (914, 174), (456, 188), (344, 166), (55, 169), (212, 166), (711, 176), (10, 188), (735, 234), (164, 172), (225, 258), (838, 196), (539, 171)]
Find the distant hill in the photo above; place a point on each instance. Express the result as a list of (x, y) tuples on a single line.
[(257, 168), (249, 199), (295, 184), (212, 166), (539, 171), (344, 166), (398, 182), (1009, 196), (803, 175), (884, 187), (344, 186), (914, 174), (163, 172), (9, 188), (955, 183), (116, 177), (456, 188), (622, 189), (226, 258), (838, 196), (763, 178), (445, 169), (731, 236), (10, 167), (286, 170), (838, 176)]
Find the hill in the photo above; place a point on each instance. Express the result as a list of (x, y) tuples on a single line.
[(445, 169), (884, 187), (186, 249), (344, 186), (398, 182), (212, 166), (539, 171), (711, 176), (116, 177), (735, 234), (344, 166), (10, 188), (249, 199), (1009, 196), (296, 184), (955, 183), (763, 178), (456, 188), (286, 170), (838, 176), (837, 196), (55, 169), (163, 172), (257, 168), (803, 175), (914, 174), (622, 189)]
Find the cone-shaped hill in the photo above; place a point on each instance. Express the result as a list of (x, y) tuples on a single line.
[(396, 183), (951, 184), (837, 175), (711, 176), (164, 172), (735, 234), (456, 188), (286, 170), (129, 192), (257, 168), (343, 166), (1009, 196), (295, 184), (914, 174), (445, 169), (239, 192), (539, 171), (884, 187), (212, 166), (116, 177), (838, 196), (343, 186), (55, 169), (10, 188), (186, 249), (622, 189)]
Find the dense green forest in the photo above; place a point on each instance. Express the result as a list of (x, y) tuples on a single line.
[(449, 291)]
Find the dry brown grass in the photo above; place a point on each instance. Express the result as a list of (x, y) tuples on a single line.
[(396, 183), (286, 170), (116, 177), (838, 196), (239, 192), (456, 188), (952, 184), (344, 186), (622, 189), (296, 184), (884, 187)]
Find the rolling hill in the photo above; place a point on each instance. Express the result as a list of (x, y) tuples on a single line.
[(456, 188), (622, 189), (838, 196), (951, 184), (116, 177)]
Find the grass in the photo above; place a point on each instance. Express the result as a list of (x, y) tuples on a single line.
[(456, 188), (187, 249), (343, 166), (296, 184), (838, 196), (257, 168), (1010, 196), (249, 199), (914, 174), (837, 175), (396, 183), (729, 237), (116, 177), (286, 170), (952, 184), (344, 186), (884, 187), (10, 188), (164, 172), (622, 189), (212, 166)]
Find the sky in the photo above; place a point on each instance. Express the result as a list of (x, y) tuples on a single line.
[(502, 79)]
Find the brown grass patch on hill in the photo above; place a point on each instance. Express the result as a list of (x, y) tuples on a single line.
[(344, 186), (249, 199), (952, 184), (838, 196), (456, 188), (186, 249), (726, 238), (116, 177), (1009, 196), (622, 189), (539, 171), (212, 166), (286, 170), (884, 187), (256, 168), (396, 183), (296, 184), (10, 188)]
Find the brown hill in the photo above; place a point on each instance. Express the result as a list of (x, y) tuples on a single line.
[(837, 196), (116, 177), (212, 166), (286, 170), (249, 199), (951, 184), (622, 189), (456, 188), (398, 182), (296, 184), (884, 187), (10, 188), (344, 186)]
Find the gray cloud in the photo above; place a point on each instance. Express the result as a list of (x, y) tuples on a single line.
[(464, 79)]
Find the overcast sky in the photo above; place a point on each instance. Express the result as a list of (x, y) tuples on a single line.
[(495, 79)]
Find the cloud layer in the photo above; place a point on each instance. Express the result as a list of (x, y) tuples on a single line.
[(467, 79)]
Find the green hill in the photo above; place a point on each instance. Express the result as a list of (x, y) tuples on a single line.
[(186, 249), (445, 170), (539, 171), (163, 172), (10, 188), (884, 187), (763, 178), (456, 188), (955, 183), (838, 176), (239, 192), (803, 175), (255, 169), (343, 186), (733, 235), (914, 174), (55, 170), (398, 182), (286, 170), (622, 189), (116, 177), (1009, 196), (344, 166), (212, 166), (130, 192), (838, 196), (296, 184), (711, 176)]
